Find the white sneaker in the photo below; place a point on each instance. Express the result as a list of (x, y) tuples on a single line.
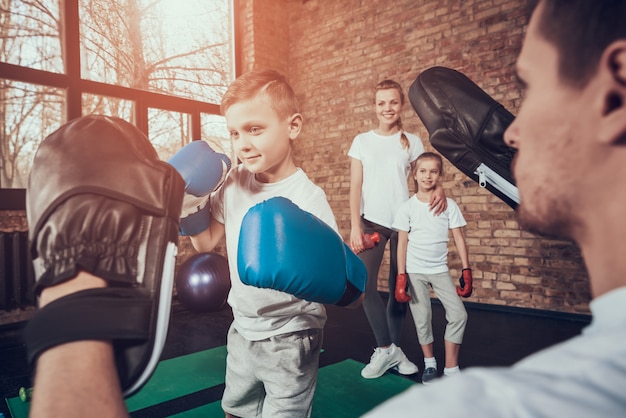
[(380, 362), (405, 366)]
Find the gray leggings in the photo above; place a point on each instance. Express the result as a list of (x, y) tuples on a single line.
[(386, 323)]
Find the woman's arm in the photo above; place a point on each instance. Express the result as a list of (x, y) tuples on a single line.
[(356, 184), (438, 202)]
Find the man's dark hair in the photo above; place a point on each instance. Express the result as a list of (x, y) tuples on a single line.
[(581, 30)]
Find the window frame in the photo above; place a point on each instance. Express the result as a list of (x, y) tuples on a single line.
[(75, 87)]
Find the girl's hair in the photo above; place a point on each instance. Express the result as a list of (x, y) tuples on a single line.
[(390, 84), (426, 156), (269, 83)]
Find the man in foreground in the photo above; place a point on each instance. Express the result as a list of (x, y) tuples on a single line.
[(570, 168)]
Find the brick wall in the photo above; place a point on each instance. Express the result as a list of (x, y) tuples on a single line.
[(13, 220), (271, 35), (335, 52), (339, 50)]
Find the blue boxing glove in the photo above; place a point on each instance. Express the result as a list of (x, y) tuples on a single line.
[(203, 170), (284, 248)]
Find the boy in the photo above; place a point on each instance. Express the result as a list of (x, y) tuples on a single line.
[(423, 253), (91, 318), (275, 339)]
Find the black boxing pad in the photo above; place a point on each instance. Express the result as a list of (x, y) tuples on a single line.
[(466, 126), (99, 200)]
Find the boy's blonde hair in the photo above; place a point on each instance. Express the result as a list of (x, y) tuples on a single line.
[(270, 83)]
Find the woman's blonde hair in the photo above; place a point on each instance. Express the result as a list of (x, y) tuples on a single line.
[(390, 84)]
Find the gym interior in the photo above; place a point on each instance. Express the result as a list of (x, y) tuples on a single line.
[(529, 292)]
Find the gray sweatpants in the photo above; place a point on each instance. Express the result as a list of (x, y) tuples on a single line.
[(275, 377), (421, 310)]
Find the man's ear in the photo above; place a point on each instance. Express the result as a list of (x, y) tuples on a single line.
[(613, 125), (295, 125)]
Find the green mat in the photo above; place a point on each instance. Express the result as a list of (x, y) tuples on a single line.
[(165, 384), (181, 376), (211, 410), (341, 391)]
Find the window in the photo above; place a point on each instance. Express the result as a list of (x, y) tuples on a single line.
[(163, 65)]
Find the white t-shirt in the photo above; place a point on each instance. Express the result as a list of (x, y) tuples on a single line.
[(263, 313), (385, 169), (427, 252), (579, 378)]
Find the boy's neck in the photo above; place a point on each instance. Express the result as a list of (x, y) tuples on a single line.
[(275, 177)]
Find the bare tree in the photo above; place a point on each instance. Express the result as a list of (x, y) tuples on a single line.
[(123, 42), (29, 37)]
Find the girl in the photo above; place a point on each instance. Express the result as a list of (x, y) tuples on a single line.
[(423, 256)]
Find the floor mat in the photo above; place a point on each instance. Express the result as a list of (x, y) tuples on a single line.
[(341, 391), (172, 378)]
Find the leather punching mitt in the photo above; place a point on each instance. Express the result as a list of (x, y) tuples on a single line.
[(100, 200)]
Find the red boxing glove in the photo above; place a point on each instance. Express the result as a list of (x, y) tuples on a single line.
[(402, 285), (465, 281), (369, 240)]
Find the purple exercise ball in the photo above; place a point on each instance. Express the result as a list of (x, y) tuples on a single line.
[(203, 282)]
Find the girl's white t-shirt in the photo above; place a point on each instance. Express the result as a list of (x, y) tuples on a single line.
[(427, 251)]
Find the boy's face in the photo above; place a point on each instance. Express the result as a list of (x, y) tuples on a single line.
[(261, 140), (427, 173), (388, 106)]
